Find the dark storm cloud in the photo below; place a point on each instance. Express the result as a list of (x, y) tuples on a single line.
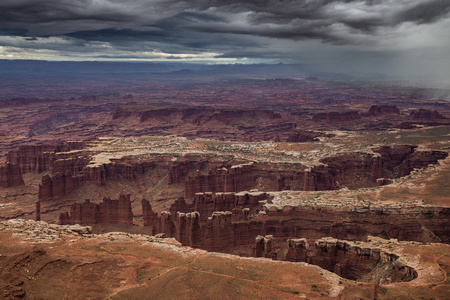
[(427, 12), (250, 28), (42, 11), (309, 18), (13, 31)]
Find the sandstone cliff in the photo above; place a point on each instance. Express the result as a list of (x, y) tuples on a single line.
[(208, 203), (200, 174), (220, 230), (380, 110), (336, 116), (425, 114), (58, 185), (10, 175), (196, 116), (351, 170), (149, 216), (107, 212), (360, 262), (37, 158)]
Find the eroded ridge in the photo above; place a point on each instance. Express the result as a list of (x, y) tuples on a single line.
[(375, 261), (372, 261)]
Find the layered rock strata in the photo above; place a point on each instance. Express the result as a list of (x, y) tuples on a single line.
[(425, 114), (263, 246), (38, 211), (237, 203), (221, 230), (107, 212), (337, 116), (198, 174), (10, 175), (69, 172), (196, 116), (38, 158), (360, 262), (351, 170), (379, 110)]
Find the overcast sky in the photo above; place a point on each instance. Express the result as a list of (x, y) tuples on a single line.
[(387, 36)]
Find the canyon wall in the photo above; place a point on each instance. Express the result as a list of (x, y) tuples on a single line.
[(236, 178), (10, 175), (306, 136), (220, 230), (199, 174), (425, 114), (56, 186), (196, 116), (240, 204), (107, 212), (380, 110), (336, 116), (38, 158), (67, 172), (78, 171), (360, 262), (352, 170)]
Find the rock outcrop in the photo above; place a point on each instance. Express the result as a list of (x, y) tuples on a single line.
[(421, 223), (222, 229), (107, 212), (10, 175), (68, 163), (236, 124), (38, 158), (218, 233), (38, 211), (263, 246), (425, 114), (351, 170), (297, 250), (196, 116), (14, 276), (205, 204), (424, 117), (233, 179), (200, 174), (360, 262), (149, 216), (187, 229), (57, 183), (303, 137), (419, 160), (208, 203), (380, 110), (336, 116)]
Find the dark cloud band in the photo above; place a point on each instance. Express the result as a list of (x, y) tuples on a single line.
[(248, 28)]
